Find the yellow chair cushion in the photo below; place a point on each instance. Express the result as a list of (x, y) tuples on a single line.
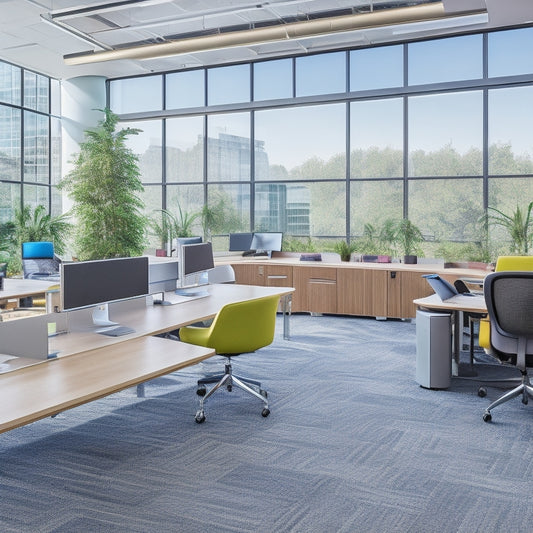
[(238, 328)]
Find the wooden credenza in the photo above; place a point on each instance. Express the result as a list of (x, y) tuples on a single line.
[(361, 289)]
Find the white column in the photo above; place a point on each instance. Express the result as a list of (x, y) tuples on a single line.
[(81, 98)]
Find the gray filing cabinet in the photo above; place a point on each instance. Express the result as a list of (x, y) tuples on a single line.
[(433, 349)]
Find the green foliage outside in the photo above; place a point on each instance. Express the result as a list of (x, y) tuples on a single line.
[(105, 186), (517, 225)]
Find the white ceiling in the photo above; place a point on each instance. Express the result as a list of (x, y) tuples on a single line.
[(37, 34)]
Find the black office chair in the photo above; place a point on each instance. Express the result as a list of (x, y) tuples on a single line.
[(509, 298)]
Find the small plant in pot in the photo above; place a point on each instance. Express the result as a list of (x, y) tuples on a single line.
[(345, 249), (408, 239)]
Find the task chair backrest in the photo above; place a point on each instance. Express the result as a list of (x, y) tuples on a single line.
[(514, 262), (509, 299), (244, 326), (38, 259), (221, 274), (38, 250)]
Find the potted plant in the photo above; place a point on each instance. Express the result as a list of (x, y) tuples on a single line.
[(408, 239), (162, 227), (518, 226), (345, 249), (105, 186)]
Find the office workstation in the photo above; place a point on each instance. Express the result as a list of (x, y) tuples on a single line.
[(318, 121)]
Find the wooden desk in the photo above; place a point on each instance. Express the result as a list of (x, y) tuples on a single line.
[(15, 288), (90, 366), (53, 386), (457, 305)]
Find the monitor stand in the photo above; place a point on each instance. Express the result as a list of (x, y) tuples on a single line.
[(162, 301), (101, 316), (192, 292)]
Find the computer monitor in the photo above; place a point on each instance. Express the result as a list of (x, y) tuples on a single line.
[(97, 283), (267, 242), (195, 261), (240, 242)]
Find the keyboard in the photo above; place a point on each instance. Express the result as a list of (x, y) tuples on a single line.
[(116, 331)]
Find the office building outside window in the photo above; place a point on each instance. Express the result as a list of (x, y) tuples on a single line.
[(30, 141)]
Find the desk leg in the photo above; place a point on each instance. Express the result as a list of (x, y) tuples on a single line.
[(286, 306), (457, 341), (140, 390)]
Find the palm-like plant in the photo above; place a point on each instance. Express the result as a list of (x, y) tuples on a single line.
[(518, 225), (39, 225)]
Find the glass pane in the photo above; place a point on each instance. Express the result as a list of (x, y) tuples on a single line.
[(136, 95), (506, 195), (228, 85), (10, 144), (321, 74), (148, 146), (228, 147), (273, 79), (9, 200), (55, 97), (510, 132), (36, 138), (232, 203), (190, 199), (376, 138), (152, 197), (446, 134), (301, 209), (57, 201), (55, 143), (35, 195), (376, 68), (9, 83), (36, 91), (185, 89), (373, 202), (447, 210), (301, 143), (442, 60), (185, 149), (510, 52)]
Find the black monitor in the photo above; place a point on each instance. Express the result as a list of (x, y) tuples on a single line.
[(267, 242), (240, 242), (195, 261), (97, 283)]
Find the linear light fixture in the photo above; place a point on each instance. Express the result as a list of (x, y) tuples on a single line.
[(270, 34)]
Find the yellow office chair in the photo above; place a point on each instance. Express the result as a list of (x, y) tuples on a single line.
[(238, 328), (509, 297)]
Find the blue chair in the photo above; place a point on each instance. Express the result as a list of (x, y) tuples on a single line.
[(39, 260)]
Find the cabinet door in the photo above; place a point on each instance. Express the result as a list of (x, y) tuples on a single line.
[(316, 289), (249, 274), (362, 292), (413, 286)]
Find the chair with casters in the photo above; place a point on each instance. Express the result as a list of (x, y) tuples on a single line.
[(238, 328), (509, 298)]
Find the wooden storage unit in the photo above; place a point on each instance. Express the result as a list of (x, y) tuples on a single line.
[(359, 289), (316, 289), (362, 292)]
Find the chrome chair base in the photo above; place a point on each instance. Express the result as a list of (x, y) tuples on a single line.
[(525, 389), (228, 380)]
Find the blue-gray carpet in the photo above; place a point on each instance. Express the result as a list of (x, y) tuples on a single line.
[(352, 444)]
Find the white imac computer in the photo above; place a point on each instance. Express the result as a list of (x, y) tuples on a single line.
[(97, 283), (264, 243), (195, 261)]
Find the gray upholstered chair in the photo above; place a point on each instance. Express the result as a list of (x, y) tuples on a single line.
[(509, 298), (39, 260)]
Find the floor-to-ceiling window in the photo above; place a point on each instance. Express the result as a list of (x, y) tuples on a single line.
[(30, 140), (322, 145)]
